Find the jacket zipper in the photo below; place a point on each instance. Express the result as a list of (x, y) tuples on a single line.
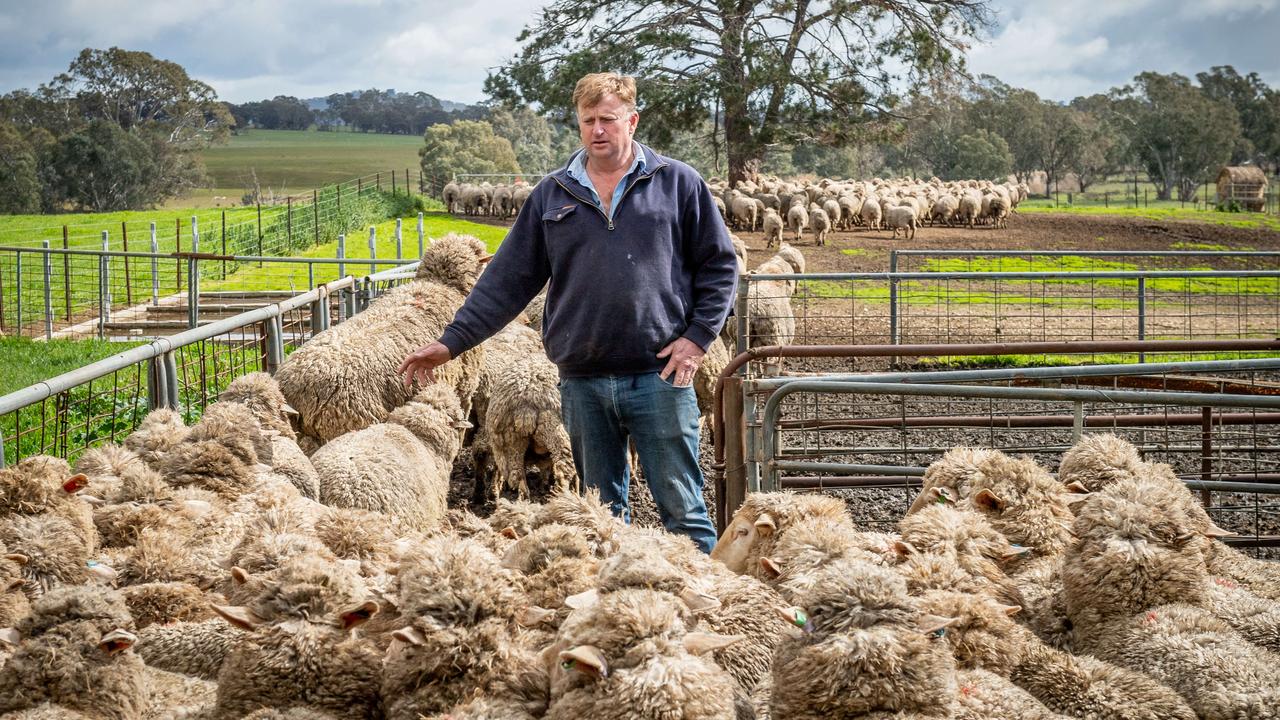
[(608, 220)]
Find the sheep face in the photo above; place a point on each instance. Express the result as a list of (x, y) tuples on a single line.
[(983, 634), (1099, 460), (739, 539)]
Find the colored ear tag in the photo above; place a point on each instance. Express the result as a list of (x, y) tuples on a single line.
[(801, 620), (940, 632)]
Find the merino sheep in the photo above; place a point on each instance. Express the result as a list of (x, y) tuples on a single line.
[(299, 649), (871, 214), (762, 519), (400, 467), (346, 377), (904, 218), (75, 654), (773, 224), (821, 225), (631, 655), (158, 433), (798, 220)]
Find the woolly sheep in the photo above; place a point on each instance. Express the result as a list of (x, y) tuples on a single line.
[(104, 466), (1133, 580), (400, 467), (968, 209), (450, 196), (196, 649), (875, 649), (13, 602), (773, 225), (630, 655), (772, 321), (555, 562), (300, 649), (821, 225), (158, 432), (56, 553), (902, 217), (871, 214), (743, 212), (345, 378), (762, 519), (798, 220), (794, 566), (460, 638), (75, 654)]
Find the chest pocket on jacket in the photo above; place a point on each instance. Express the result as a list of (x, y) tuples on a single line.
[(555, 215)]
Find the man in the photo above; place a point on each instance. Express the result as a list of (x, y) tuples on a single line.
[(641, 277)]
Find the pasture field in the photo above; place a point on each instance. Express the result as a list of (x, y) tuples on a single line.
[(289, 162), (25, 362), (84, 230)]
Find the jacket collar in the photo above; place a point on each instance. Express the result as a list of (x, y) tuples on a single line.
[(653, 163)]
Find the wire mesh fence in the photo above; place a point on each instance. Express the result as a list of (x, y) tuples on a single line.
[(869, 437), (105, 401)]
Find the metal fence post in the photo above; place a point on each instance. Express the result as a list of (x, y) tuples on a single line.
[(373, 249), (422, 238), (399, 239), (155, 267), (1142, 314), (342, 254), (894, 338), (104, 288), (172, 390), (48, 291), (275, 345), (740, 310), (17, 282), (193, 278), (157, 391)]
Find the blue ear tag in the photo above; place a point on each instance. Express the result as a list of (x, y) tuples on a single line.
[(940, 632)]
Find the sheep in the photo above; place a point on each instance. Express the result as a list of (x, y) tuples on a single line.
[(714, 361), (460, 638), (555, 562), (1024, 502), (75, 654), (519, 196), (998, 211), (502, 201), (630, 655), (871, 214), (1135, 585), (798, 220), (743, 211), (158, 433), (55, 553), (762, 519), (345, 378), (947, 479), (104, 466), (773, 225), (13, 602), (166, 602), (514, 517), (772, 321), (875, 648), (902, 217), (968, 209), (965, 538), (475, 201), (44, 485), (834, 212), (400, 467), (799, 556), (600, 526), (300, 649), (194, 648), (449, 195), (821, 225)]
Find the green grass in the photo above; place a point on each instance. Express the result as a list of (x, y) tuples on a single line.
[(294, 161), (1164, 212), (25, 362), (85, 229), (294, 276)]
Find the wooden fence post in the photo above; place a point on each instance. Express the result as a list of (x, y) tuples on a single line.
[(124, 243), (66, 273)]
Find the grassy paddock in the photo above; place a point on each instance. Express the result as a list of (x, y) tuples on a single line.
[(1164, 212), (25, 362)]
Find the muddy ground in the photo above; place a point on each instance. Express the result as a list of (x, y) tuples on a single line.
[(860, 250)]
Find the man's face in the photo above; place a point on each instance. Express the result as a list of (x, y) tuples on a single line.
[(606, 128)]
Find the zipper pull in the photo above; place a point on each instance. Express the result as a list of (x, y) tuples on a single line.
[(611, 224)]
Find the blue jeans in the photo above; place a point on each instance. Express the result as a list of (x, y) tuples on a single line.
[(601, 412)]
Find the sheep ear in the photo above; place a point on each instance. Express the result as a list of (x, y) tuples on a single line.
[(239, 575), (903, 548), (794, 616), (485, 260), (509, 532), (462, 425), (1074, 497), (702, 643), (410, 635), (770, 568), (586, 659), (117, 641), (1009, 609), (93, 500), (1216, 532), (933, 624), (359, 614), (102, 572), (1016, 550), (988, 500), (1076, 486), (10, 636), (533, 616), (944, 495), (289, 410), (75, 483), (698, 602), (582, 599), (18, 558), (238, 615), (765, 523)]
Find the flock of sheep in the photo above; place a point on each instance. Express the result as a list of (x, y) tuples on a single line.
[(774, 205)]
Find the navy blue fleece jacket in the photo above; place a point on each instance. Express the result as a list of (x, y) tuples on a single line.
[(619, 290)]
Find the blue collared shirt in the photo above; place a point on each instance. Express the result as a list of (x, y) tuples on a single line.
[(578, 171)]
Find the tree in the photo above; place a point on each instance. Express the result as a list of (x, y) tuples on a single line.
[(1178, 133), (529, 134), (1017, 116), (1105, 149), (982, 155), (1062, 134), (466, 146), (103, 168), (19, 182), (1255, 103), (780, 71)]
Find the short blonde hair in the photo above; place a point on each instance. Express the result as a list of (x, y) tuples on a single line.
[(591, 89)]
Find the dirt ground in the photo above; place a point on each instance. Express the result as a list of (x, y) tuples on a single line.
[(861, 250)]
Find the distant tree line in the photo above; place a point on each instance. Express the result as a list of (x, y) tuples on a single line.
[(373, 110), (120, 129)]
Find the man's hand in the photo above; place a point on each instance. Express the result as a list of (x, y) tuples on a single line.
[(685, 357), (421, 362)]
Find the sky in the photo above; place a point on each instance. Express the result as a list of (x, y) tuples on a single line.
[(250, 50)]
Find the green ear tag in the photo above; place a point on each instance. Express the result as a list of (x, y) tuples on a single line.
[(800, 620)]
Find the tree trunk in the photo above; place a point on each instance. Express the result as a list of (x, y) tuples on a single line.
[(742, 148)]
